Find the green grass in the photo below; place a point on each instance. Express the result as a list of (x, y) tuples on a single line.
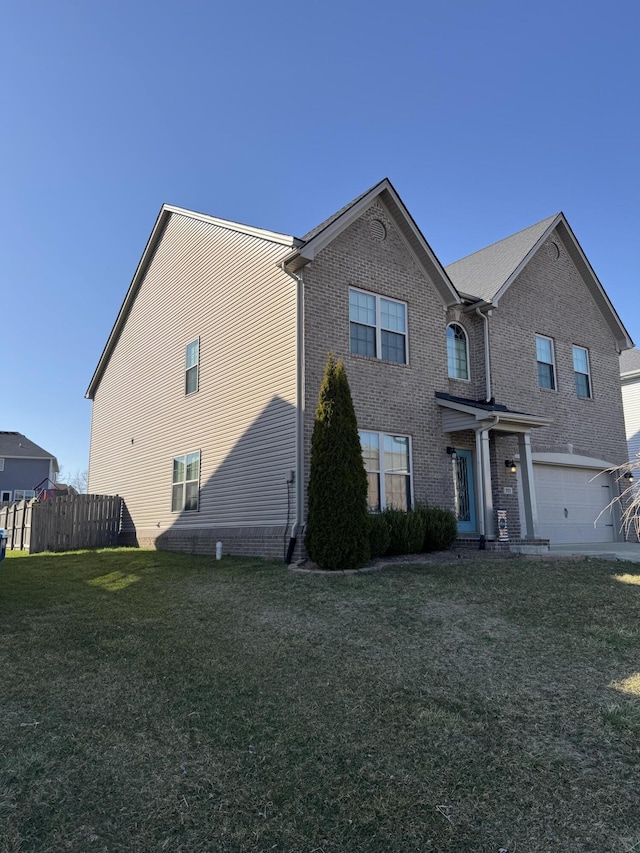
[(153, 701)]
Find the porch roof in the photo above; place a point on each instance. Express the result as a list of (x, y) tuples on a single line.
[(462, 413)]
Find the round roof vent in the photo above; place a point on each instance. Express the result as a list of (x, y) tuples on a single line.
[(377, 229)]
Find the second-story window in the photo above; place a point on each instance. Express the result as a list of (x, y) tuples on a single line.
[(581, 372), (457, 352), (546, 363), (192, 371), (377, 326)]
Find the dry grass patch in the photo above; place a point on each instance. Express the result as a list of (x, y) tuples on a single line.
[(154, 701)]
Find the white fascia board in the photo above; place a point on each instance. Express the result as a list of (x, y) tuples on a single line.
[(507, 418), (629, 376), (263, 234)]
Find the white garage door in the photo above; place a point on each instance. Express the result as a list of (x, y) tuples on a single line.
[(569, 501)]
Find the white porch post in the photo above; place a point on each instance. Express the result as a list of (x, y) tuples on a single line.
[(479, 487), (486, 484), (528, 488)]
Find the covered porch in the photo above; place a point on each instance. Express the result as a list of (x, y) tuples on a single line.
[(486, 421)]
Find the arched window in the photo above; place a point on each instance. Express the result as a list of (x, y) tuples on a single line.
[(457, 352)]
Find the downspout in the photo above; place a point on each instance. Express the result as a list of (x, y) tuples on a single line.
[(298, 526), (487, 356)]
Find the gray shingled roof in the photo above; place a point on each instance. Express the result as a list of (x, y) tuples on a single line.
[(14, 444), (630, 361), (315, 231), (483, 273)]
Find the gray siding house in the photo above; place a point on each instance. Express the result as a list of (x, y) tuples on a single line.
[(490, 387), (630, 379), (23, 466)]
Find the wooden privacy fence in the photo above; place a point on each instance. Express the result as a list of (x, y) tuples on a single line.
[(62, 524)]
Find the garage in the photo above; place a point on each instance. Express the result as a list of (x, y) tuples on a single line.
[(569, 500)]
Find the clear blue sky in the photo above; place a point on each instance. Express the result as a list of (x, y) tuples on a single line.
[(486, 116)]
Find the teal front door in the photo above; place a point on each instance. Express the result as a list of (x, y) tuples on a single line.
[(465, 493)]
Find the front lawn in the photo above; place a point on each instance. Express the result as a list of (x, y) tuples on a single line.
[(153, 701)]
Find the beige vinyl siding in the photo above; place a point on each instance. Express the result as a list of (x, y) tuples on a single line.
[(224, 287), (631, 403)]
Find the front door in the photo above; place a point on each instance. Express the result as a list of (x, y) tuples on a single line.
[(464, 491)]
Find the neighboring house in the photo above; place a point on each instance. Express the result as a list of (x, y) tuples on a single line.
[(630, 379), (23, 466), (205, 393)]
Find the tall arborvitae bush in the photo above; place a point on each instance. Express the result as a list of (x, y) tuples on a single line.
[(337, 533)]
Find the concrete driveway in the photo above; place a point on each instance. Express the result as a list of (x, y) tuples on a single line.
[(605, 550)]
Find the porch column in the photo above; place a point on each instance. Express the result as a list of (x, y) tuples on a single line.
[(489, 530), (528, 487)]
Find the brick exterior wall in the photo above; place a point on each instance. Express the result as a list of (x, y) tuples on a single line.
[(268, 542), (390, 398), (550, 298)]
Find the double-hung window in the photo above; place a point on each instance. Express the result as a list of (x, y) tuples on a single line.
[(185, 491), (581, 372), (377, 326), (192, 369), (546, 363), (387, 461)]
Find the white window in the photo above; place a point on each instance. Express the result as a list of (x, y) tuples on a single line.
[(192, 367), (23, 494), (387, 461), (546, 363), (581, 371), (457, 352), (1, 464), (377, 326), (5, 496), (185, 491)]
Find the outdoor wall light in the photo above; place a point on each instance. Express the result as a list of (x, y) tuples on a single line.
[(511, 465), (452, 453), (629, 477)]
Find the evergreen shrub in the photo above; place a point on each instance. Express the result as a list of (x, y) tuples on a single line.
[(379, 535), (337, 531), (407, 530), (440, 528)]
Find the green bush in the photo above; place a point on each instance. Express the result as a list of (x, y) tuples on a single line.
[(379, 535), (440, 528), (406, 530), (337, 532)]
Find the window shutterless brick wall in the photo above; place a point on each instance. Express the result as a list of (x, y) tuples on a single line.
[(550, 298), (390, 398)]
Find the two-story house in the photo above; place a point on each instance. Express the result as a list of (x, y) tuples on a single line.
[(489, 387), (23, 466)]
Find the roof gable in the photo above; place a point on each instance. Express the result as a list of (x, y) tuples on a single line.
[(486, 275), (322, 235), (166, 211)]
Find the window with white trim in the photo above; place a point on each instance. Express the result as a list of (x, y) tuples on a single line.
[(546, 363), (581, 372), (387, 461), (1, 464), (23, 494), (457, 352), (5, 496), (192, 369), (185, 490), (377, 326)]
